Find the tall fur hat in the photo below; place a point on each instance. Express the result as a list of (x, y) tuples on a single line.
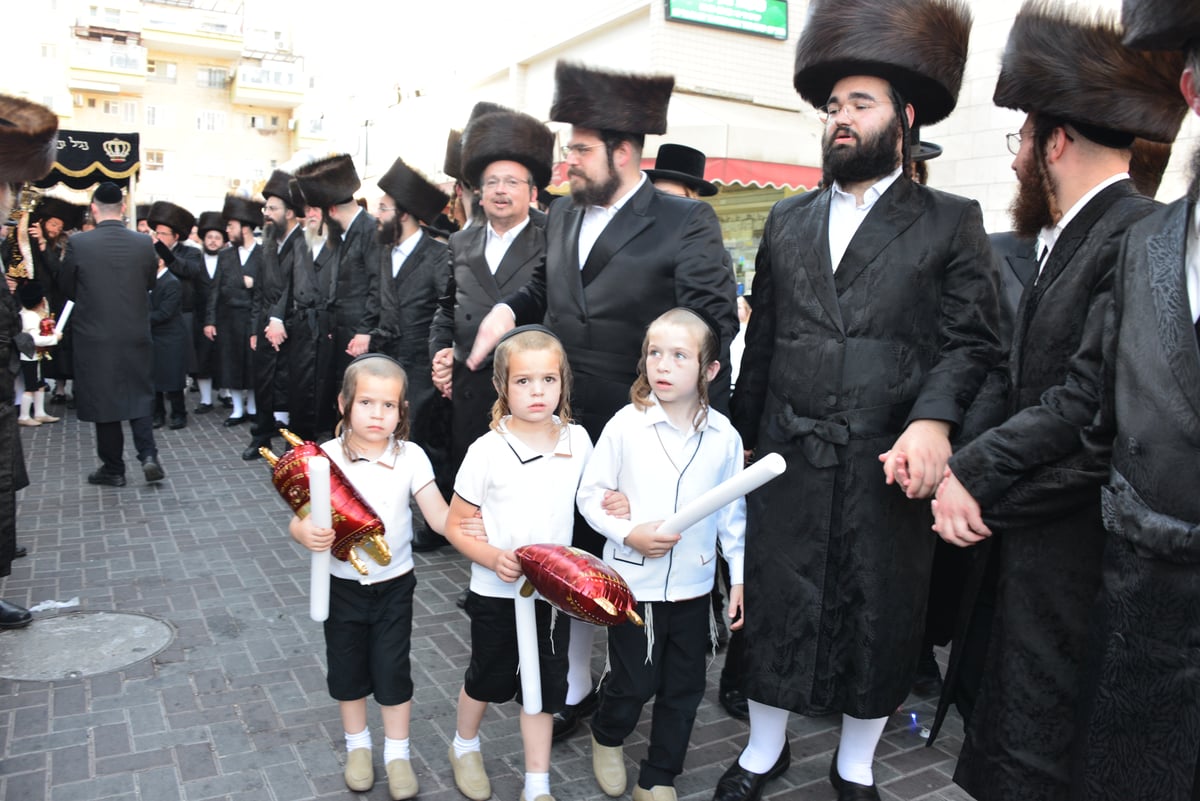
[(507, 136), (328, 181), (1147, 165), (210, 221), (28, 140), (1160, 24), (142, 210), (280, 185), (452, 163), (177, 218), (245, 210), (1069, 63), (413, 192), (919, 46), (611, 101), (71, 214)]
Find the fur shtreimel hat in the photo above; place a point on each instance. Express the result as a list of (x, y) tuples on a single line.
[(413, 192), (244, 210), (280, 185), (71, 214), (28, 140), (177, 218), (1160, 24), (684, 165), (210, 221), (611, 101), (143, 211), (328, 182), (507, 136), (452, 163), (1069, 63), (918, 46)]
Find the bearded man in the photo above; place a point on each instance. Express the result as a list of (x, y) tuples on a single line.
[(875, 307)]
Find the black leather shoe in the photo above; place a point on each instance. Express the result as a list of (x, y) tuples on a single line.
[(928, 681), (57, 399), (227, 403), (20, 552), (251, 453), (230, 422), (13, 616), (159, 421), (152, 470), (567, 721), (739, 784), (848, 790), (178, 423), (102, 478), (735, 703), (204, 408)]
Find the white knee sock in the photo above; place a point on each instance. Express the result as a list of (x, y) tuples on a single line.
[(251, 406), (238, 410), (856, 751), (283, 417), (579, 662), (392, 749), (205, 385), (360, 740), (39, 404), (27, 409), (536, 784), (768, 735)]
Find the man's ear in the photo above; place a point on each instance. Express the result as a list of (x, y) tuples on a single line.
[(910, 113), (1189, 86)]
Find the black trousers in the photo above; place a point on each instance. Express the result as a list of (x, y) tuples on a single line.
[(175, 398), (110, 443), (674, 676), (311, 394), (270, 389)]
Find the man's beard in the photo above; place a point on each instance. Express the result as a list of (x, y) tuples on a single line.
[(314, 233), (1033, 207), (270, 232), (596, 194), (389, 232), (208, 252), (874, 157)]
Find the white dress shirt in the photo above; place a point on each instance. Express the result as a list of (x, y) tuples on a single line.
[(597, 218), (497, 244), (845, 215)]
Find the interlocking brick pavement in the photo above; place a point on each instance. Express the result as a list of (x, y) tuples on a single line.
[(235, 708)]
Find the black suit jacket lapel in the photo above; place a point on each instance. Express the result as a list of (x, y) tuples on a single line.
[(891, 216), (478, 265), (631, 220), (518, 255), (814, 233), (1176, 330), (1076, 233)]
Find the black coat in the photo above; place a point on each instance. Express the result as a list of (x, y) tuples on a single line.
[(12, 460), (1048, 543), (356, 287), (169, 333), (229, 309), (1141, 735), (207, 364), (306, 310), (835, 365), (108, 272)]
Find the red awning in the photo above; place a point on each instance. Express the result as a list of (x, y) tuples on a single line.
[(736, 172)]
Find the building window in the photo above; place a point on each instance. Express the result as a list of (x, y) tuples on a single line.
[(154, 160), (49, 51), (210, 121), (112, 107), (91, 102), (159, 117), (212, 77), (129, 112), (164, 71)]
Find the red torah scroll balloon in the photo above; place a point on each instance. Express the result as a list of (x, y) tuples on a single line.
[(577, 583)]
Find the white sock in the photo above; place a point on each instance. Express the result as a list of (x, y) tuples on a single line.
[(283, 417), (462, 746), (768, 734), (360, 740), (394, 749), (579, 663), (251, 406), (39, 403), (536, 784), (26, 406), (205, 385), (238, 410), (856, 751)]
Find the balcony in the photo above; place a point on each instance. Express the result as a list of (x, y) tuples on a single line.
[(271, 84), (196, 31), (107, 67)]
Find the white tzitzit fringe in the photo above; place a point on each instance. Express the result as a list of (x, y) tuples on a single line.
[(648, 620)]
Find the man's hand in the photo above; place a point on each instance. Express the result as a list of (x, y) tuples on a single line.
[(210, 331), (359, 344), (498, 322), (443, 372), (248, 281), (253, 342), (35, 233), (918, 459), (646, 540), (957, 517), (276, 333)]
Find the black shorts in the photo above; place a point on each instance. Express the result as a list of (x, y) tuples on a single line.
[(367, 639), (32, 373), (492, 675)]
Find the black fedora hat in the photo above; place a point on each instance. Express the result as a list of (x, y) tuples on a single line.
[(683, 164)]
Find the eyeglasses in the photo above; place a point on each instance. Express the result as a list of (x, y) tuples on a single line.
[(507, 181), (1013, 140), (853, 110), (579, 151), (269, 209), (382, 207)]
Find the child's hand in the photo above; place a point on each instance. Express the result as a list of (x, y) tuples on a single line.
[(615, 504), (473, 526), (314, 539), (507, 566), (646, 540), (737, 617)]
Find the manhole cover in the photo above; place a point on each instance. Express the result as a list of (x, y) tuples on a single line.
[(80, 644)]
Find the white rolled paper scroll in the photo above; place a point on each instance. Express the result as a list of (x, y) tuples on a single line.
[(322, 517), (769, 467), (527, 651), (62, 318)]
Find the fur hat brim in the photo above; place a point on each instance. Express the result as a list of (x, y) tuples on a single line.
[(210, 221), (413, 192), (1160, 24), (243, 209), (71, 214), (28, 140), (919, 46), (611, 101), (452, 163), (1069, 63), (280, 185), (177, 218), (328, 181), (507, 136)]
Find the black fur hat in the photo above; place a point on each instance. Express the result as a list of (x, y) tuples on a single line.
[(28, 140), (919, 46), (142, 210), (507, 136), (328, 181), (210, 221), (684, 165), (1147, 165), (243, 209), (1160, 24), (611, 101), (280, 185), (413, 192), (452, 164), (177, 218), (71, 214), (1069, 63)]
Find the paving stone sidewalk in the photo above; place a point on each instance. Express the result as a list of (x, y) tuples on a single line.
[(235, 707)]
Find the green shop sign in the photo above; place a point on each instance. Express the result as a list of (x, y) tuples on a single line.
[(758, 17)]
